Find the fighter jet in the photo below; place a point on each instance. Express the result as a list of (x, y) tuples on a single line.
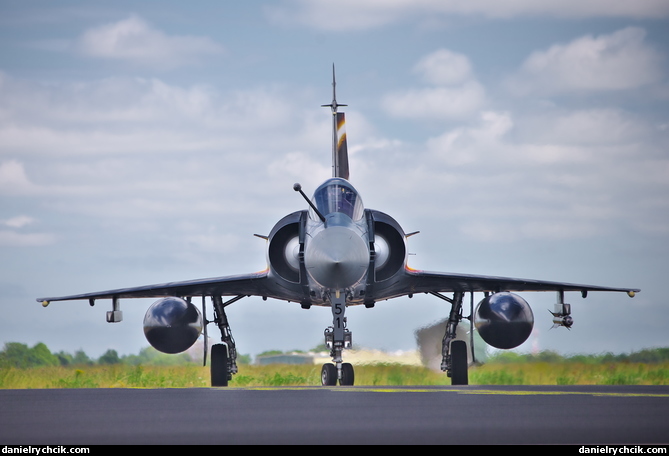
[(336, 253)]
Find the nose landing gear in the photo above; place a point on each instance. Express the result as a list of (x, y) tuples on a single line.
[(337, 338)]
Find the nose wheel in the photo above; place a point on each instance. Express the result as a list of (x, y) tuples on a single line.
[(347, 375), (330, 374)]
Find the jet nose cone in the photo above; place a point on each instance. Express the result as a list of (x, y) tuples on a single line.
[(337, 257)]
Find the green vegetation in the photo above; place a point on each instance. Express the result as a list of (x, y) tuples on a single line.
[(20, 355), (645, 367), (100, 376), (651, 355), (36, 367)]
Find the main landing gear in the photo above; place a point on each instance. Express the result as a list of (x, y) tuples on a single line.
[(454, 352), (223, 356)]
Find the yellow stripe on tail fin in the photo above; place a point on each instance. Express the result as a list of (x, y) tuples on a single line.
[(341, 158)]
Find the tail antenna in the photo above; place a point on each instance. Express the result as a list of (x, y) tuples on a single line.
[(339, 147)]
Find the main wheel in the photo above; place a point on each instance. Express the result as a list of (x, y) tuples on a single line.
[(329, 375), (347, 375), (219, 365), (459, 375)]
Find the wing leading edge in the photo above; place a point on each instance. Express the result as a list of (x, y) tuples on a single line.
[(416, 281), (256, 284), (413, 281)]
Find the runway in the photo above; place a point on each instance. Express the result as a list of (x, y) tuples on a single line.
[(338, 415)]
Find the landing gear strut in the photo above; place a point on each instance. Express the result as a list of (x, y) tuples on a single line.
[(337, 338), (223, 356), (454, 352)]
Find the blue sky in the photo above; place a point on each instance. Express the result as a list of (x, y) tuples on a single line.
[(145, 142)]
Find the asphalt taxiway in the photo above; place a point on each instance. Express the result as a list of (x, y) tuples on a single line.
[(338, 415)]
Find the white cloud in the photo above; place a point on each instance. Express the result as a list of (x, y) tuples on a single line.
[(444, 67), (617, 61), (604, 126), (367, 14), (462, 145), (143, 149), (107, 102), (514, 230), (436, 102), (135, 40), (571, 176), (13, 239), (454, 92), (337, 16), (13, 179), (129, 115), (19, 221)]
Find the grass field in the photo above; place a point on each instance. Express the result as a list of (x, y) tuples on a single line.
[(124, 376)]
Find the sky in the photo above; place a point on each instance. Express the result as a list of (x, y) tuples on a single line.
[(146, 142)]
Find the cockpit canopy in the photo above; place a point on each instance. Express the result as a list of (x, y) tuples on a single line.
[(338, 195)]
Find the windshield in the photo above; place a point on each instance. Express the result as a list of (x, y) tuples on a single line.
[(337, 195)]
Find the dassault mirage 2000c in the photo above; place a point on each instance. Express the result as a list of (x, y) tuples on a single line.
[(337, 254)]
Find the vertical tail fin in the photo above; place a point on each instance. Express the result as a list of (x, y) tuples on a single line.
[(339, 147), (341, 154)]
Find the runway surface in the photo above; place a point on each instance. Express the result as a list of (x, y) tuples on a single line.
[(338, 415)]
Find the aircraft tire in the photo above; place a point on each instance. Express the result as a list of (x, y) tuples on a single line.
[(329, 375), (459, 374), (347, 375), (219, 365)]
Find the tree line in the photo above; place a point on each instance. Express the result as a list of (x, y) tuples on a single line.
[(15, 354), (18, 355), (648, 356)]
